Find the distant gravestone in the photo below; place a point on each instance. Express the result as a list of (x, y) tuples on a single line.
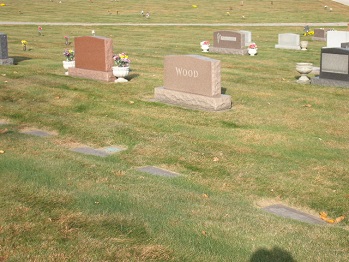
[(334, 67), (93, 58), (288, 41), (320, 34), (345, 45), (229, 42), (335, 38), (4, 59), (193, 81), (248, 37)]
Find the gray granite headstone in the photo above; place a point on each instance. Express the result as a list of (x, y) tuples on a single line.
[(4, 59), (288, 212), (334, 64), (288, 41)]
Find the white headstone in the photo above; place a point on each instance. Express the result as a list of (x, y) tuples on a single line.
[(248, 37), (288, 41), (336, 38)]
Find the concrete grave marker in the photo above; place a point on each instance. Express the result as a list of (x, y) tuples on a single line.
[(93, 58), (288, 41), (37, 132), (336, 38), (101, 152), (4, 59), (193, 81), (229, 42), (288, 212), (157, 171)]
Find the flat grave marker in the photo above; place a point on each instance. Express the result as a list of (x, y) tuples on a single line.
[(100, 152), (157, 171), (288, 212)]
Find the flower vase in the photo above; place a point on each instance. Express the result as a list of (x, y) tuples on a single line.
[(205, 48), (252, 51), (304, 69), (120, 73), (67, 65)]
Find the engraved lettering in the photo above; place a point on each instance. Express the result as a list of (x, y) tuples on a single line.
[(187, 72)]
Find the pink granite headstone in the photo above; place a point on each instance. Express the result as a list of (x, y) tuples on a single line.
[(93, 58), (193, 81)]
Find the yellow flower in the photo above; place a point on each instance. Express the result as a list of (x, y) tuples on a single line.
[(24, 42), (2, 4)]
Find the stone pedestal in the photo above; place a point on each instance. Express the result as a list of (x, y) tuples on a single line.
[(192, 101)]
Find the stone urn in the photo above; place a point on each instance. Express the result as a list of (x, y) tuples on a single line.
[(205, 46), (304, 45), (120, 73), (304, 69), (252, 51), (67, 65)]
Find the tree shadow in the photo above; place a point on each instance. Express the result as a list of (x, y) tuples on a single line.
[(274, 255), (18, 59)]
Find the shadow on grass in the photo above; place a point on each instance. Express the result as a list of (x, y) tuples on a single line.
[(131, 76), (274, 255), (18, 59)]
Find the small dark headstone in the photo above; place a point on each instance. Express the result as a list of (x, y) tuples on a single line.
[(288, 212), (157, 171), (4, 59)]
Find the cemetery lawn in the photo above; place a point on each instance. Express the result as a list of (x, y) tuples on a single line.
[(282, 142)]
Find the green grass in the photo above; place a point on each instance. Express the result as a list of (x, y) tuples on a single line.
[(281, 143)]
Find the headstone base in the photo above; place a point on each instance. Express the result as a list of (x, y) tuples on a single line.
[(319, 39), (7, 61), (293, 47), (192, 101), (329, 82), (232, 51), (91, 74)]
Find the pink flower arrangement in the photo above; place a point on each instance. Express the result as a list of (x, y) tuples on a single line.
[(205, 43), (252, 46), (121, 60)]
